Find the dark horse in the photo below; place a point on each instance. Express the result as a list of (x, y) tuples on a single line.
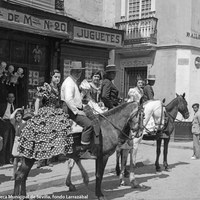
[(111, 123), (164, 117)]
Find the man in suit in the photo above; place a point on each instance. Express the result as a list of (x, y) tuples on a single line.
[(196, 132), (109, 92), (7, 131), (148, 89)]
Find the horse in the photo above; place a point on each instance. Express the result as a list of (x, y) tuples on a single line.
[(164, 117), (111, 124)]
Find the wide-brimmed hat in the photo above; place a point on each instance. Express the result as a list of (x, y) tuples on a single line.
[(110, 68), (76, 65), (195, 104), (151, 77)]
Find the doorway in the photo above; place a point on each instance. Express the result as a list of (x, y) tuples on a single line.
[(131, 75)]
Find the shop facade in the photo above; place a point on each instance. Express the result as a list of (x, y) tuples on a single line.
[(37, 42), (29, 39), (91, 47)]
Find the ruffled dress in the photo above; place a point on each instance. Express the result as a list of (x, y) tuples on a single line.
[(45, 135)]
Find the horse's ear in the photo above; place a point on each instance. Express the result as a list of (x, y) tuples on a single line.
[(163, 101), (184, 95), (177, 95)]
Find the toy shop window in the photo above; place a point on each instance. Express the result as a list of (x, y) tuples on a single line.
[(17, 52), (4, 50)]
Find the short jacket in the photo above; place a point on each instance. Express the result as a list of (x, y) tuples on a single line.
[(148, 93), (196, 123), (109, 94)]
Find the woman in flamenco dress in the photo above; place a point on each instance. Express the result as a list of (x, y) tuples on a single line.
[(45, 134)]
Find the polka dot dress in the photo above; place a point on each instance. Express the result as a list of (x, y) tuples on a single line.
[(45, 135)]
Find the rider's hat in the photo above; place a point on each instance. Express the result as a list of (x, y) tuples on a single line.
[(76, 65), (111, 68), (195, 104), (151, 77)]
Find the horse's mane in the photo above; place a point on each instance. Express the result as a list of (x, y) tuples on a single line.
[(116, 109)]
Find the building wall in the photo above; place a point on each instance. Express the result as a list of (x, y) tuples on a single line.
[(178, 24), (95, 12), (174, 21), (164, 69)]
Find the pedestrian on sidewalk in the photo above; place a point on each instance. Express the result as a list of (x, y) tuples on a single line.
[(196, 131), (17, 121)]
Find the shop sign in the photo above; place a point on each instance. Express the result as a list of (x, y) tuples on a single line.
[(38, 24), (96, 36), (193, 35)]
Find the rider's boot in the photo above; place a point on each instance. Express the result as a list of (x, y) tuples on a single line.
[(85, 152)]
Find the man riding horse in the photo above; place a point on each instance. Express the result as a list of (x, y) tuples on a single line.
[(72, 104)]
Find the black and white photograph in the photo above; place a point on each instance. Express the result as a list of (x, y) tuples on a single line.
[(99, 99)]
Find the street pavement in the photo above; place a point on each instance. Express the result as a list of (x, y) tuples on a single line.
[(48, 177)]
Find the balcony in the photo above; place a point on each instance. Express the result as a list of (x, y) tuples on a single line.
[(142, 31)]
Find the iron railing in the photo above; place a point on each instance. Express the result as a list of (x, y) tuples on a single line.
[(139, 31)]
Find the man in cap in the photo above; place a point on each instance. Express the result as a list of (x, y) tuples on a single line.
[(196, 132), (109, 92), (148, 89), (72, 103)]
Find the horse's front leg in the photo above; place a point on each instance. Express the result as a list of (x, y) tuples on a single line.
[(68, 183), (133, 154), (21, 176), (118, 154), (100, 166), (124, 157), (158, 147), (165, 152)]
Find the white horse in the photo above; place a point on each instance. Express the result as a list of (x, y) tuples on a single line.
[(163, 125)]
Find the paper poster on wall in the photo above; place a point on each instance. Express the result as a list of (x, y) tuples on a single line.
[(33, 77)]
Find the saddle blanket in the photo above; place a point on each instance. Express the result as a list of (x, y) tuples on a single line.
[(150, 126)]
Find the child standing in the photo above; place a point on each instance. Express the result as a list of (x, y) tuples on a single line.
[(17, 121)]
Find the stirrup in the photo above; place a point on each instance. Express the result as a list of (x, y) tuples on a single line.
[(87, 155)]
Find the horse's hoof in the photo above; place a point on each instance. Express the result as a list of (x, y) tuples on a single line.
[(72, 188), (167, 169), (158, 169), (122, 183)]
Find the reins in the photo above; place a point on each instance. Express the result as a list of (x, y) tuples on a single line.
[(132, 115)]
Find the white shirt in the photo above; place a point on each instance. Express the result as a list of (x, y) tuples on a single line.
[(135, 94), (71, 95), (7, 112)]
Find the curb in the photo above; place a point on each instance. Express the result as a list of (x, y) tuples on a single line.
[(171, 145)]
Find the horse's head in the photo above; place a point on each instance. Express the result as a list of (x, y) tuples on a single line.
[(182, 106)]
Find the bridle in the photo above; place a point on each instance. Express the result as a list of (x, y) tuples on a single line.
[(167, 113)]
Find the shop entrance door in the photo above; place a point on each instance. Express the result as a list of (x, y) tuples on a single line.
[(131, 75)]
